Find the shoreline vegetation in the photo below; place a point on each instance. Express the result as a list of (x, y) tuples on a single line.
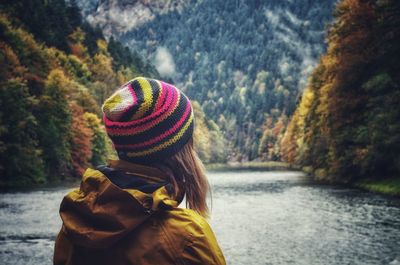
[(54, 77), (237, 166), (389, 187), (346, 127), (386, 186)]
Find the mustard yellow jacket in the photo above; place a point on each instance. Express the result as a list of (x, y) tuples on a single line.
[(125, 214)]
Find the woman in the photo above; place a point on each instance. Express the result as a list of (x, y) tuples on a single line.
[(127, 212)]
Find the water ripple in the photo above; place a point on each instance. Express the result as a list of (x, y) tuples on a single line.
[(259, 218)]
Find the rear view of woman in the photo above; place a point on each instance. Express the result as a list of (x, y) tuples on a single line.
[(127, 211)]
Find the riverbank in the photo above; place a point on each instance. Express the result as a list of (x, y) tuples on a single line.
[(66, 182), (264, 166), (217, 167), (387, 187)]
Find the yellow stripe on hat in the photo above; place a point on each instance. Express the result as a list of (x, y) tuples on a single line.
[(140, 130), (165, 144), (112, 102), (147, 98)]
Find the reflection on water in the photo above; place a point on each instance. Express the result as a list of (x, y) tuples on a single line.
[(258, 217)]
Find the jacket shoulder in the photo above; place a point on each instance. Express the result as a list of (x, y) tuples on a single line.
[(91, 172), (201, 246), (190, 223)]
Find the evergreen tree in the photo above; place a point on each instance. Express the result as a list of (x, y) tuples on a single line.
[(20, 153)]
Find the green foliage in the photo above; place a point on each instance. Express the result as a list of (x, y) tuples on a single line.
[(49, 21), (249, 61), (218, 148), (54, 115), (99, 139), (20, 153), (386, 186), (124, 57)]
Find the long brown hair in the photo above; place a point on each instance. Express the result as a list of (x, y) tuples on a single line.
[(189, 177)]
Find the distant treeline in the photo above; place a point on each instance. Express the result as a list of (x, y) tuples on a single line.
[(347, 125)]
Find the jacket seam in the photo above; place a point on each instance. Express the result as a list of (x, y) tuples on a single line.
[(189, 241), (177, 259)]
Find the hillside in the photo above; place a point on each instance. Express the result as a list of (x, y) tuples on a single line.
[(246, 62), (346, 127), (54, 75)]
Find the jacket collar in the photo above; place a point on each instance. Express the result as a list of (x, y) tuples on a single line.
[(147, 172)]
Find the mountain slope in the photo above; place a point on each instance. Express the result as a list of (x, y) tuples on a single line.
[(246, 62)]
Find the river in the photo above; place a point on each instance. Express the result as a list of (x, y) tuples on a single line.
[(259, 218)]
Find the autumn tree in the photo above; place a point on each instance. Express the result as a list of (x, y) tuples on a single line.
[(348, 117), (80, 140), (99, 143)]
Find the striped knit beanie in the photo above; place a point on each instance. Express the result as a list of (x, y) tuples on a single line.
[(148, 120)]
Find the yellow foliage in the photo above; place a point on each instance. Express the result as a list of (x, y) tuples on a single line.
[(78, 36), (57, 78), (102, 45), (306, 101), (201, 133), (105, 79)]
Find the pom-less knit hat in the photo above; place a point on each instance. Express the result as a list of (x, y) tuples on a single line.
[(148, 120)]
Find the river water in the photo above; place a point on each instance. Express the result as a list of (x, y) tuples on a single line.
[(259, 218)]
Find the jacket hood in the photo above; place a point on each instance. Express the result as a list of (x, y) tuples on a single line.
[(112, 201)]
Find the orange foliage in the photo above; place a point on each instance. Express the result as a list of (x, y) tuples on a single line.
[(81, 135), (75, 41), (10, 65)]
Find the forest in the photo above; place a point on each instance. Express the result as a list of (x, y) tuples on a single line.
[(271, 91), (54, 75), (347, 124), (245, 62)]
